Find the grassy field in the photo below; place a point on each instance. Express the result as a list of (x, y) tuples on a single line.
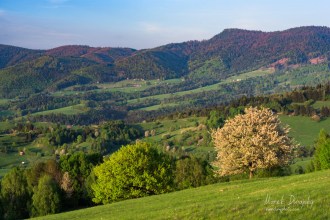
[(248, 75), (184, 133), (16, 142), (155, 107), (294, 197), (6, 126), (33, 155), (4, 101), (320, 104), (128, 86), (69, 110), (161, 97), (172, 128), (135, 85), (293, 79), (3, 172), (304, 129)]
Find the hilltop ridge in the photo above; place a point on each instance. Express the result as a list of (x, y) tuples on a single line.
[(227, 53)]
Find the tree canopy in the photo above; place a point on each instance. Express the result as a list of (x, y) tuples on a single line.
[(192, 172), (251, 141), (321, 158), (14, 195), (46, 197), (133, 171)]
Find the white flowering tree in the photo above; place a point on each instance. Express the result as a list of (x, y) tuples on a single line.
[(254, 140)]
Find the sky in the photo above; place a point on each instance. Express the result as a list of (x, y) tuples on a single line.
[(141, 24)]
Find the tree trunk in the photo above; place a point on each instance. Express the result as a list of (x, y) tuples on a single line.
[(251, 174)]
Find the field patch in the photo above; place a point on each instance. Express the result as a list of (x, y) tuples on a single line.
[(69, 110), (304, 129)]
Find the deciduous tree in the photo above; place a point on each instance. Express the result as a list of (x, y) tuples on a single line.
[(251, 141), (77, 167), (321, 158), (46, 197), (133, 171), (192, 172), (15, 195)]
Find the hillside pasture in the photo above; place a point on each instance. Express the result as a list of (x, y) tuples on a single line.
[(320, 104), (293, 197), (303, 129), (69, 110)]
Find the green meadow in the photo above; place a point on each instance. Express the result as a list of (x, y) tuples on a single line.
[(69, 110), (215, 86), (304, 129), (293, 197)]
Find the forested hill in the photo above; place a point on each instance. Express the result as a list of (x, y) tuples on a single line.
[(25, 71), (241, 49), (10, 55)]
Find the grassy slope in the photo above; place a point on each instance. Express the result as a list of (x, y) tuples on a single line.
[(171, 126), (304, 129), (17, 142), (131, 86), (69, 110), (242, 76), (175, 130), (233, 200), (320, 104)]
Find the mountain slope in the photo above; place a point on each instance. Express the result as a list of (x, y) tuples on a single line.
[(27, 71), (38, 74), (242, 50), (228, 53), (104, 55), (10, 55)]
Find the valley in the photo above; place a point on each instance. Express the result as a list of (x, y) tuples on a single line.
[(66, 111)]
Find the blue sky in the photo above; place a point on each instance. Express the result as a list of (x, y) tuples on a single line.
[(44, 24)]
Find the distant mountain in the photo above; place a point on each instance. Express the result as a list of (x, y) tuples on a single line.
[(231, 51), (104, 55), (10, 55), (241, 50), (25, 71)]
